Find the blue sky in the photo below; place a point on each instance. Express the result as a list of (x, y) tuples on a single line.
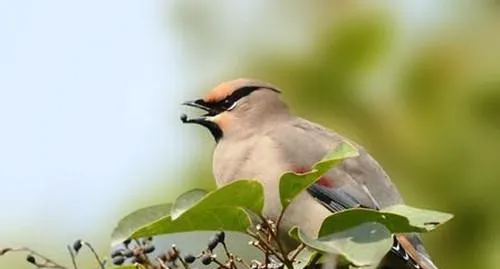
[(89, 94)]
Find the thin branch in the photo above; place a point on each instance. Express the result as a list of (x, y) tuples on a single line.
[(274, 235), (183, 262), (73, 259), (220, 264), (267, 246), (238, 259), (229, 255), (297, 251), (266, 259), (48, 261), (98, 259), (161, 263)]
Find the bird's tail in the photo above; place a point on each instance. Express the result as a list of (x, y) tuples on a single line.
[(411, 249)]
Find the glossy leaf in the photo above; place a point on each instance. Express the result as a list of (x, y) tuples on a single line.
[(426, 220), (223, 209), (362, 245), (398, 219), (291, 184), (141, 217), (185, 201)]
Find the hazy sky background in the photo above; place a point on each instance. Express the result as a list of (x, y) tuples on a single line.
[(89, 104), (89, 99)]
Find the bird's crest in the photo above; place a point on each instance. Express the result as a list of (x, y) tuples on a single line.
[(225, 89)]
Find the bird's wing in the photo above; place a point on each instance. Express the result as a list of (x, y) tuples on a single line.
[(357, 182), (304, 143)]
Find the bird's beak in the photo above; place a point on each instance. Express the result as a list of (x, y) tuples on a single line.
[(205, 120), (201, 104)]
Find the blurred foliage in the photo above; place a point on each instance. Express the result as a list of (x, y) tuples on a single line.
[(425, 104), (359, 236)]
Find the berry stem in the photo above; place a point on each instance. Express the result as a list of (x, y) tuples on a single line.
[(267, 246), (297, 251), (220, 264), (73, 259), (98, 259), (47, 262), (161, 263)]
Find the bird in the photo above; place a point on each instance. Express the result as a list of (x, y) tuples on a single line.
[(257, 136)]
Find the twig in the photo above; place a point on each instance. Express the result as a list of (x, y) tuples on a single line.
[(98, 259), (184, 264), (297, 251), (219, 263), (274, 236), (229, 255), (72, 254), (161, 263), (47, 260), (267, 246), (266, 259), (238, 259)]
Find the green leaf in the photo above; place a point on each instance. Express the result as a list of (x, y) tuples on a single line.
[(291, 184), (138, 218), (363, 245), (225, 208), (426, 220), (185, 201), (398, 219), (306, 257)]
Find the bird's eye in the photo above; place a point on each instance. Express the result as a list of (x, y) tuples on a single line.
[(228, 104), (232, 106)]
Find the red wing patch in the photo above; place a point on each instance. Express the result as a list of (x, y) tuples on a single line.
[(323, 181)]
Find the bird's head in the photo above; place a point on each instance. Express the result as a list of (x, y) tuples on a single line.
[(237, 108)]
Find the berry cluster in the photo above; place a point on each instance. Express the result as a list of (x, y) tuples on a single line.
[(136, 251), (140, 252)]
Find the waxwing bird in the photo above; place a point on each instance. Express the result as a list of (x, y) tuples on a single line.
[(258, 137)]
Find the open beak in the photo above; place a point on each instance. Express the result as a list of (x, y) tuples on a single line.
[(201, 104), (204, 120)]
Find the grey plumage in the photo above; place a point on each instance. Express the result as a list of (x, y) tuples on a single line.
[(261, 139)]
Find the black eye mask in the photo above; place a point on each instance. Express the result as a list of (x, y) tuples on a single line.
[(229, 101), (214, 108)]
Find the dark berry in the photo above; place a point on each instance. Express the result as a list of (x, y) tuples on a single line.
[(183, 117), (149, 248), (128, 253), (118, 260), (221, 236), (206, 260), (31, 259), (116, 252), (127, 242), (213, 242), (189, 258), (77, 245)]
